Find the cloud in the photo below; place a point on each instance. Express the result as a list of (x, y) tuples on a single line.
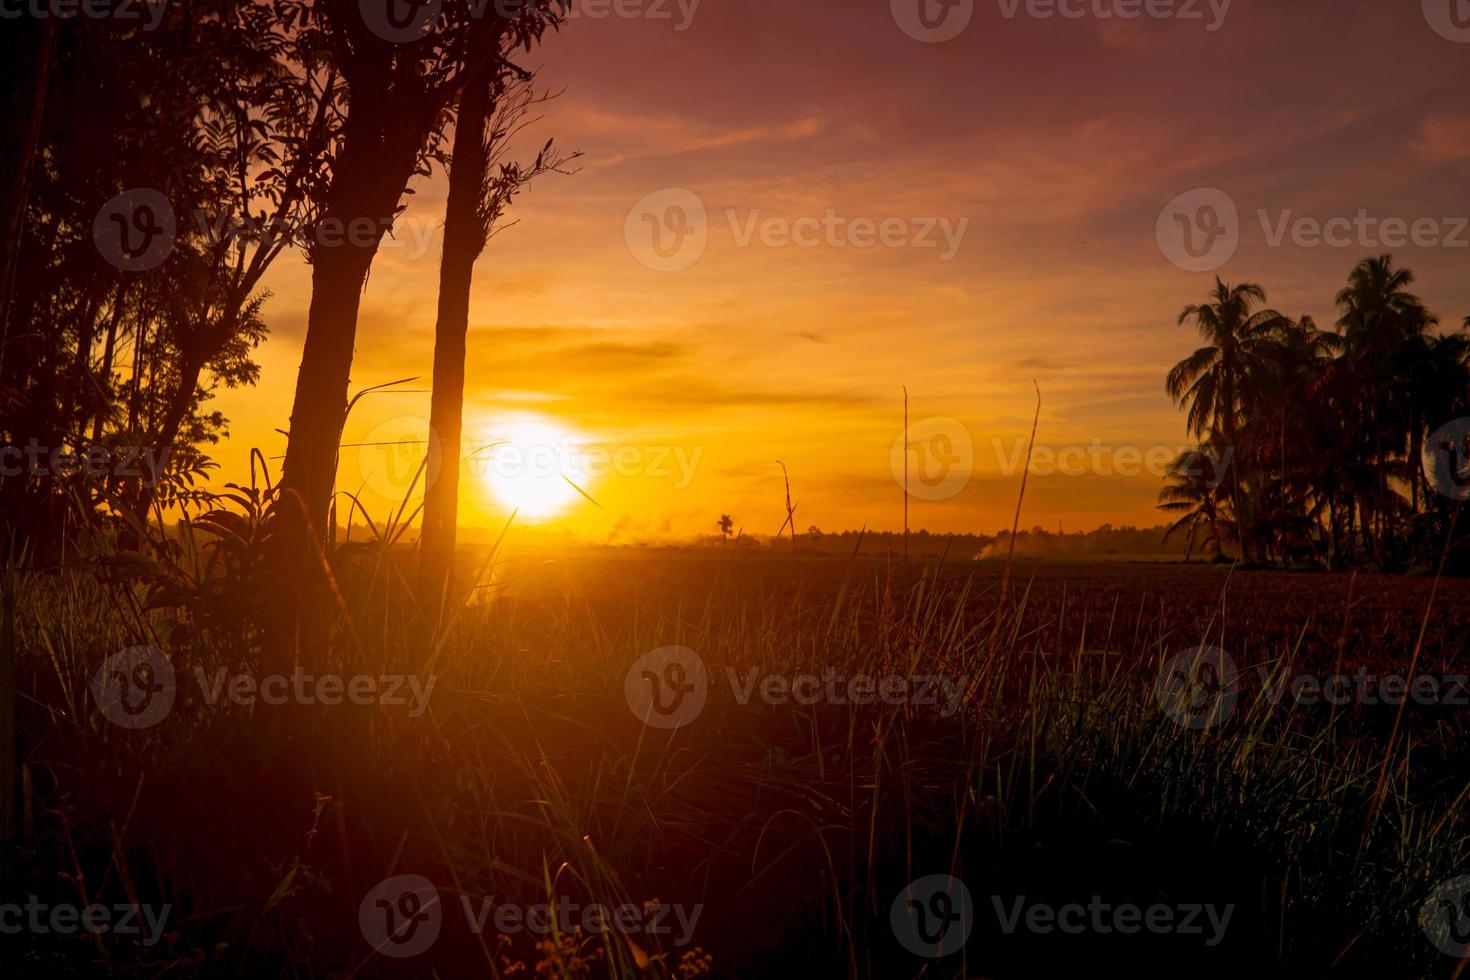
[(1443, 138)]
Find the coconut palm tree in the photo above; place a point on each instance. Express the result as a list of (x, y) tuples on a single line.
[(726, 525), (1279, 436), (1193, 493), (1212, 381), (1384, 329)]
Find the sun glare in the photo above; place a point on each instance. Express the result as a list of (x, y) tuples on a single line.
[(530, 464)]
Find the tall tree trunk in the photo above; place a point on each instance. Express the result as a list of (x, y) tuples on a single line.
[(1241, 531), (379, 153), (464, 240), (320, 405), (383, 137)]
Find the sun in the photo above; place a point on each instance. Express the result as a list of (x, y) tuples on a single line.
[(532, 465)]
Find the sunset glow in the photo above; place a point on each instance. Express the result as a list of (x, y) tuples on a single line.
[(530, 466)]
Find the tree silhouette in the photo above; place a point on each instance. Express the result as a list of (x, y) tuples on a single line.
[(1327, 428), (1192, 492), (1212, 380), (492, 110)]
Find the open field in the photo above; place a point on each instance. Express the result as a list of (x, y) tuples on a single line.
[(1029, 755)]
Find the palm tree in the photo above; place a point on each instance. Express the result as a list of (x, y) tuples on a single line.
[(1280, 437), (726, 525), (1212, 380), (1192, 492), (1384, 329)]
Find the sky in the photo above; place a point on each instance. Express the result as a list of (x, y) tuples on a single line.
[(853, 196)]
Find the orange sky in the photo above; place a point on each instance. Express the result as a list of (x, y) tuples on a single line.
[(1052, 143)]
